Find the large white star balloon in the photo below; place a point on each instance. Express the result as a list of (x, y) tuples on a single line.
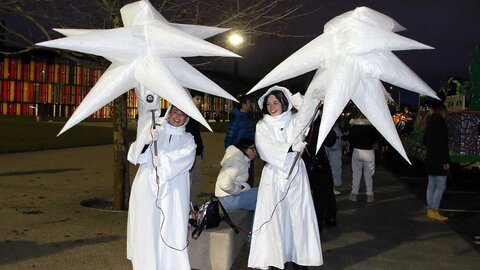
[(146, 54), (351, 57)]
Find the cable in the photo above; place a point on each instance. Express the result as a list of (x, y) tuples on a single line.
[(276, 205), (163, 221), (157, 182)]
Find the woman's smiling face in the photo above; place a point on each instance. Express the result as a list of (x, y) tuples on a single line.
[(274, 106), (176, 117)]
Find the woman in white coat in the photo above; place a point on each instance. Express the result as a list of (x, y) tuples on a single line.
[(285, 226), (231, 187), (159, 203)]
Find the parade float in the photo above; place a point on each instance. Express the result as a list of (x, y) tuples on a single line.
[(462, 100)]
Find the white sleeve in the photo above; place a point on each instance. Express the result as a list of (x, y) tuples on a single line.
[(226, 180), (271, 151), (173, 163)]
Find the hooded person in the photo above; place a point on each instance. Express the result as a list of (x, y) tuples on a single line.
[(437, 161), (232, 188), (159, 202), (285, 226)]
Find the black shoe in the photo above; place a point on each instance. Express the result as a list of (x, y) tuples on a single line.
[(298, 267), (331, 222)]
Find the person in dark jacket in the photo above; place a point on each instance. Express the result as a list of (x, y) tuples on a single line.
[(241, 123), (363, 137), (241, 127), (437, 162), (320, 176), (193, 127)]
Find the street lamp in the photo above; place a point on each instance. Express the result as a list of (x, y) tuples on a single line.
[(235, 39)]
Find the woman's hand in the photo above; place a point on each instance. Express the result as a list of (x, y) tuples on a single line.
[(245, 186), (155, 134), (299, 146), (446, 166)]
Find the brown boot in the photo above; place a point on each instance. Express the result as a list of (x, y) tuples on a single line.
[(441, 217), (431, 213), (434, 215)]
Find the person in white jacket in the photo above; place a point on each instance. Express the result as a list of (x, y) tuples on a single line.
[(334, 154), (159, 203), (285, 226), (231, 187)]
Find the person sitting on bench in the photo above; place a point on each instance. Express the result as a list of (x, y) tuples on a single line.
[(231, 187)]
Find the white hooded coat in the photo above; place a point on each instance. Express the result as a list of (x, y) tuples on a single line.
[(285, 225), (158, 214), (233, 176)]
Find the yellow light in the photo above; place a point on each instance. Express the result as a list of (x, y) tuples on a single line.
[(235, 39)]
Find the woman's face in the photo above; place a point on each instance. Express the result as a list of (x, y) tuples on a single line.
[(176, 117), (251, 152), (274, 106)]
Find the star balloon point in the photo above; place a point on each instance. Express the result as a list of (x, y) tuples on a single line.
[(148, 50), (352, 57)]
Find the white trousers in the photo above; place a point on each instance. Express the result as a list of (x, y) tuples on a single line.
[(363, 161)]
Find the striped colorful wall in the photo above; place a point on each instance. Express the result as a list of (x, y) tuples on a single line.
[(42, 86)]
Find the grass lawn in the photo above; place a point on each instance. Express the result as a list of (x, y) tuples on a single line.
[(23, 134), (20, 134)]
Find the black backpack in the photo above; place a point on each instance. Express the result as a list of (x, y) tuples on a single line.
[(208, 216)]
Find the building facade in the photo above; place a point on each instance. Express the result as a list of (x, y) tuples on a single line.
[(50, 86)]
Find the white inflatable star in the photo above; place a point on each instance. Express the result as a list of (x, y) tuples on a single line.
[(351, 57), (147, 51)]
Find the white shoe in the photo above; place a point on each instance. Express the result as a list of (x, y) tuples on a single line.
[(370, 198), (476, 239), (336, 192), (353, 197)]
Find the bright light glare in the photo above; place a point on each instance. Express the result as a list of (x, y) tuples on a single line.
[(235, 39)]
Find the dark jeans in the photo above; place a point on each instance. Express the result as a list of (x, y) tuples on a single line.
[(324, 201)]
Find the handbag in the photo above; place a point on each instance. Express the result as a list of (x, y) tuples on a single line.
[(208, 216)]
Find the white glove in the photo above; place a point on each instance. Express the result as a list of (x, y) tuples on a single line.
[(156, 161), (155, 133), (299, 146)]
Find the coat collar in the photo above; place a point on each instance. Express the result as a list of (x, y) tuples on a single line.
[(280, 121)]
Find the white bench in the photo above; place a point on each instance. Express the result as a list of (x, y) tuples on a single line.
[(217, 248)]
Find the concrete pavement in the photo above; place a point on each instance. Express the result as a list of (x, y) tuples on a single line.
[(391, 233), (45, 227)]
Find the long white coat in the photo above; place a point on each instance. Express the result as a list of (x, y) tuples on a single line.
[(158, 213), (232, 178), (285, 225)]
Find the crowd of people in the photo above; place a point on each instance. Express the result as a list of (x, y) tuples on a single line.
[(295, 199)]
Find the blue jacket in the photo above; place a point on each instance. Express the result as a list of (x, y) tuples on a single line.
[(240, 126)]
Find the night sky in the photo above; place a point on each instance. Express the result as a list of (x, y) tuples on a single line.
[(452, 27)]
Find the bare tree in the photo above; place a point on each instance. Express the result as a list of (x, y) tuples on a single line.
[(30, 21)]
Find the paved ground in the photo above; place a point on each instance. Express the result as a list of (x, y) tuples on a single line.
[(43, 225)]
